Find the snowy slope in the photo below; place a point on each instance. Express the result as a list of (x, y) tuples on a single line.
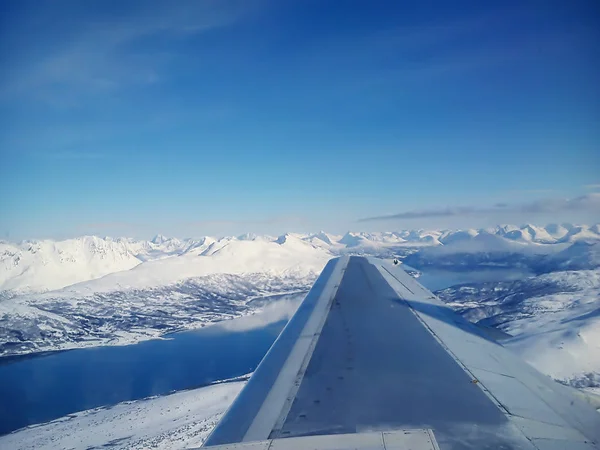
[(46, 265), (580, 232), (288, 256), (37, 266), (562, 337), (205, 284), (162, 247), (578, 256), (486, 250), (415, 238), (177, 421), (556, 231), (324, 240), (450, 237), (554, 318)]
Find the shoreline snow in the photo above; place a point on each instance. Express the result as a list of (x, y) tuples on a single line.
[(175, 421)]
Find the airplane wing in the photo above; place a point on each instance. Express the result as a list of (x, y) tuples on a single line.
[(373, 360)]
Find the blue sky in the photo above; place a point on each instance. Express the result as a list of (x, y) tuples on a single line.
[(221, 117)]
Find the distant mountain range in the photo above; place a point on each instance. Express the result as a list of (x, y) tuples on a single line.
[(39, 266)]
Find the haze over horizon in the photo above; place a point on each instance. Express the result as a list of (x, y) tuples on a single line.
[(226, 117)]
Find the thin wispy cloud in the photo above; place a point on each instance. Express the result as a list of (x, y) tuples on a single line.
[(104, 55), (532, 191), (442, 50), (593, 187), (589, 202), (71, 155)]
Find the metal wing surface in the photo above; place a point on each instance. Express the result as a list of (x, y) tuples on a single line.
[(372, 359)]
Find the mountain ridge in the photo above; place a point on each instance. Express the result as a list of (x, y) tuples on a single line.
[(44, 265)]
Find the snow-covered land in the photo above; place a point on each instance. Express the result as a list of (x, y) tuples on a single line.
[(33, 267), (554, 320), (39, 266), (92, 291), (206, 283), (46, 265), (176, 421)]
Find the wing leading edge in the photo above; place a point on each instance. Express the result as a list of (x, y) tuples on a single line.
[(371, 353)]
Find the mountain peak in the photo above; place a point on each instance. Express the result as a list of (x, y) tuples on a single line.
[(282, 239), (322, 236), (159, 239), (247, 237)]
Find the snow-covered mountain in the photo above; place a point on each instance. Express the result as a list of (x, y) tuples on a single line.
[(286, 256), (484, 248), (324, 240), (526, 234), (209, 281), (38, 266), (46, 265), (89, 291), (554, 319)]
